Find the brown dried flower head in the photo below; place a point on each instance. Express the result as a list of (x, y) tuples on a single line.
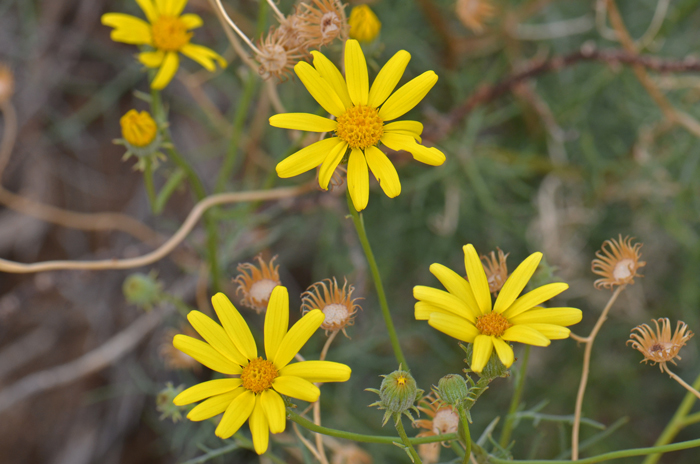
[(443, 419), (7, 83), (618, 263), (350, 454), (496, 270), (276, 58), (660, 347), (336, 303), (321, 22), (289, 32), (473, 13), (175, 359), (256, 284)]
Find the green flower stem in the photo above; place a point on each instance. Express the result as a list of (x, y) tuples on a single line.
[(148, 181), (464, 423), (168, 189), (679, 420), (359, 222), (607, 456), (398, 423), (358, 437), (515, 401), (197, 187), (238, 121)]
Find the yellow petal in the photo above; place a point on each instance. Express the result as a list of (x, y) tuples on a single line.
[(318, 371), (167, 71), (516, 282), (297, 336), (152, 59), (456, 285), (214, 405), (388, 77), (454, 326), (303, 121), (216, 336), (483, 347), (205, 390), (504, 351), (477, 278), (423, 310), (356, 73), (206, 355), (307, 158), (191, 21), (399, 141), (330, 164), (330, 73), (296, 387), (170, 7), (128, 29), (204, 56), (533, 298), (358, 179), (149, 9), (525, 334), (551, 331), (275, 410), (236, 414), (411, 128), (259, 427), (408, 96), (276, 320), (444, 300), (384, 171), (235, 326), (558, 316), (319, 88)]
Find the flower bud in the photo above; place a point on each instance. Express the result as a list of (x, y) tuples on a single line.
[(453, 389), (164, 403), (494, 368), (142, 290), (397, 394), (364, 24)]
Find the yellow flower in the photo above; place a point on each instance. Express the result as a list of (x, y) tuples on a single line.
[(254, 392), (139, 129), (360, 123), (465, 312), (364, 24), (168, 32)]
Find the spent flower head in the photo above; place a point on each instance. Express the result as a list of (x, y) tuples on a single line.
[(337, 304), (496, 270), (397, 395), (361, 123), (442, 419), (168, 34), (320, 22), (618, 263), (256, 283), (465, 311), (252, 391), (364, 24), (660, 346), (473, 13)]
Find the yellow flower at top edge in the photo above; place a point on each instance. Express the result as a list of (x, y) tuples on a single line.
[(364, 24), (360, 122), (465, 311), (167, 30), (254, 391)]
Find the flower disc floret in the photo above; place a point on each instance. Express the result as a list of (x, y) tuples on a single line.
[(170, 33), (360, 126), (492, 324), (258, 375)]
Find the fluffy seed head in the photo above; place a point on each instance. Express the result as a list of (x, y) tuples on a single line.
[(322, 22), (660, 347), (618, 263), (277, 57), (256, 284)]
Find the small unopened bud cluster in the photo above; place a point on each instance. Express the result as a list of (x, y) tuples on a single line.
[(398, 394), (142, 290)]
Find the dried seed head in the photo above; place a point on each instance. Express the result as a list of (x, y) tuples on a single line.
[(660, 347), (618, 263), (336, 303), (322, 22), (256, 284), (496, 270), (443, 419), (7, 83), (289, 32), (276, 58), (473, 13)]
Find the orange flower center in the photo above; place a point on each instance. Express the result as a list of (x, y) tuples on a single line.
[(170, 33), (492, 324), (258, 375), (360, 126)]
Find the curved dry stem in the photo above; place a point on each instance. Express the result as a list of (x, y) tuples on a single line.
[(232, 38), (664, 366), (233, 25), (168, 246), (9, 135)]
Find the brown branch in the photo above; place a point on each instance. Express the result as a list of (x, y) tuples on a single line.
[(612, 57)]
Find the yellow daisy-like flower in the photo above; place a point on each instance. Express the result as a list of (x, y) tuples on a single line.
[(465, 312), (167, 30), (360, 122), (255, 388)]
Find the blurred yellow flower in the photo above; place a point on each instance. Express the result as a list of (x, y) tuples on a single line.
[(168, 32), (364, 24), (465, 312), (139, 129), (254, 392), (360, 123)]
